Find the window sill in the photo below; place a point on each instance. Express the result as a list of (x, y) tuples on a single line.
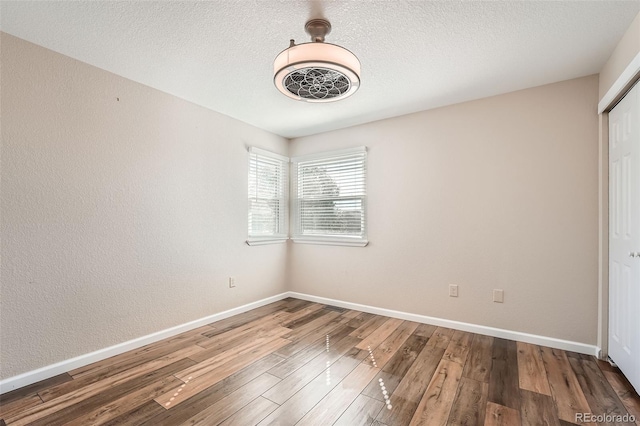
[(266, 241), (358, 243)]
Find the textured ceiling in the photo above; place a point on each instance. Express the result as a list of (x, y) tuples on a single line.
[(415, 54)]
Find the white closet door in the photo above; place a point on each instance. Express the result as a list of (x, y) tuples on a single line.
[(624, 236)]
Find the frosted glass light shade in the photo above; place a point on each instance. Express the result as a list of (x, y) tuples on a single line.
[(317, 72)]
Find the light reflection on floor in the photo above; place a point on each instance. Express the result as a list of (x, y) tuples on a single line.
[(328, 372), (383, 389), (179, 390)]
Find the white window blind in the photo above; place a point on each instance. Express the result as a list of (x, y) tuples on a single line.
[(268, 197), (330, 198)]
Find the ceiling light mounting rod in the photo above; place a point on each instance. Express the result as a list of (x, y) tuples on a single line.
[(318, 29)]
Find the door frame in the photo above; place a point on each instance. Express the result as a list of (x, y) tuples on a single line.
[(620, 87)]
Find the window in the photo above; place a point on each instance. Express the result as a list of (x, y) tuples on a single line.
[(329, 198), (268, 197)]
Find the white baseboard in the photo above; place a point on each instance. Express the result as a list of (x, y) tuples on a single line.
[(551, 342), (49, 371)]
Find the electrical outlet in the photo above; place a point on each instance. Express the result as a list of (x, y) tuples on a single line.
[(453, 290), (232, 282), (498, 295)]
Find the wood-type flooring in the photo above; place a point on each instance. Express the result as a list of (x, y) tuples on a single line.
[(295, 362)]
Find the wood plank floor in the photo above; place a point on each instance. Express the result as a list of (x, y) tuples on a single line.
[(300, 363)]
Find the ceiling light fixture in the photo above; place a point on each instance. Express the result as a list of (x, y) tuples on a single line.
[(316, 71)]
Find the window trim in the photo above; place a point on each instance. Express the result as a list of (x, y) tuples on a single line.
[(352, 241), (333, 153), (331, 241), (258, 240), (255, 241)]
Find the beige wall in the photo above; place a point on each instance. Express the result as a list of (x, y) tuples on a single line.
[(119, 218), (124, 217), (497, 193), (625, 51)]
